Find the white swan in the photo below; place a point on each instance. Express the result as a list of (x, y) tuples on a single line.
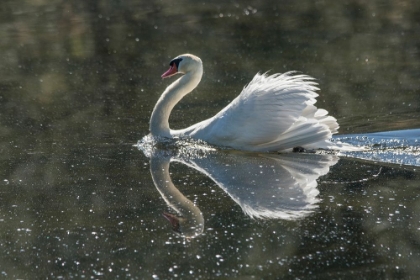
[(272, 113)]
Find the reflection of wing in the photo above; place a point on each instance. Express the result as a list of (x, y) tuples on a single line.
[(266, 186)]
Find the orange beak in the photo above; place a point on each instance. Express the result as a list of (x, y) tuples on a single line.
[(173, 220), (172, 71)]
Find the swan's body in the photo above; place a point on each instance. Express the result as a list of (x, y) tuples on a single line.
[(272, 113)]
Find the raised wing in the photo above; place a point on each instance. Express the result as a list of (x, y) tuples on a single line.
[(273, 112)]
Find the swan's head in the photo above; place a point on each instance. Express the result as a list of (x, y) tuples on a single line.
[(189, 227), (183, 64)]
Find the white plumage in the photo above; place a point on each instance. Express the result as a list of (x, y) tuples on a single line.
[(272, 113)]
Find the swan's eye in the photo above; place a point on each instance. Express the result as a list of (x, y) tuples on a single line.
[(174, 66), (176, 62)]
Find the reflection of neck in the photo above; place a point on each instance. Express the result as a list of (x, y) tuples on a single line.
[(192, 218), (159, 122)]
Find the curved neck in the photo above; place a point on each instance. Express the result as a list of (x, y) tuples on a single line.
[(191, 221), (159, 122)]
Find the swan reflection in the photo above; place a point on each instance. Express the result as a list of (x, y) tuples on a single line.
[(271, 186), (189, 222)]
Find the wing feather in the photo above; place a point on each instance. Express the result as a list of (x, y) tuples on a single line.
[(273, 112)]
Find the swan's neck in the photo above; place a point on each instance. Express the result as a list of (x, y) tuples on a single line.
[(159, 122), (192, 220), (159, 168)]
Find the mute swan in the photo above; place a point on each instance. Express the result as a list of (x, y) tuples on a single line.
[(272, 113)]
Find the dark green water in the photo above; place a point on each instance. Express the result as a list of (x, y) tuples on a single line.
[(78, 82)]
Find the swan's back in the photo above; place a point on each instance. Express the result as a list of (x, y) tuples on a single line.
[(272, 113)]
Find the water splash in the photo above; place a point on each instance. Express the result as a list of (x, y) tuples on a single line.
[(399, 147), (189, 147)]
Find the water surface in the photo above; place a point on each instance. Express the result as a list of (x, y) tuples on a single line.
[(78, 82)]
